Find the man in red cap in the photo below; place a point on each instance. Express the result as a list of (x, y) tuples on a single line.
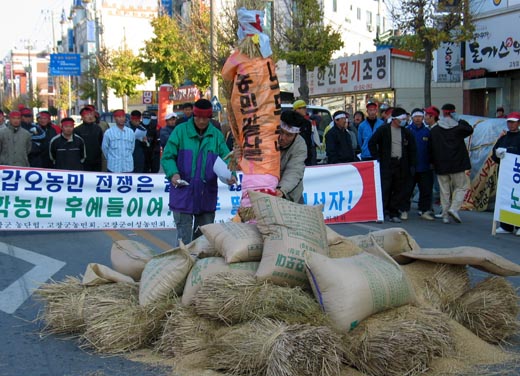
[(367, 129), (450, 160), (92, 134), (188, 157), (508, 142), (118, 145), (15, 142), (67, 150), (43, 160)]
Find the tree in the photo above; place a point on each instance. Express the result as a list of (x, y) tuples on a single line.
[(164, 55), (123, 73), (65, 96), (302, 39), (424, 24)]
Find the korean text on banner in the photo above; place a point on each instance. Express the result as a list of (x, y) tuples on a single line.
[(507, 204), (38, 199)]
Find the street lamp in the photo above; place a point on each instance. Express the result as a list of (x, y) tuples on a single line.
[(97, 32)]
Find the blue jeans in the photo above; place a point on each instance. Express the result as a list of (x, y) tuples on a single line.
[(188, 225)]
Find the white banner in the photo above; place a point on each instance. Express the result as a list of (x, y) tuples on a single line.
[(364, 72), (446, 67), (496, 44), (507, 204), (38, 199)]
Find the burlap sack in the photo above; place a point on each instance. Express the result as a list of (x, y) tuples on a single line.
[(236, 242), (97, 274), (164, 275), (394, 241), (200, 248), (353, 288), (290, 230), (207, 267), (129, 257), (477, 257)]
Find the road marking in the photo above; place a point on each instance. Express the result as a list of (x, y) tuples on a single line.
[(12, 297), (116, 235)]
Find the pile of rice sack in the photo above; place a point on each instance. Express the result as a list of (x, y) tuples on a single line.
[(288, 296)]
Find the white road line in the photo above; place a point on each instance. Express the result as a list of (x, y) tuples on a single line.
[(20, 290)]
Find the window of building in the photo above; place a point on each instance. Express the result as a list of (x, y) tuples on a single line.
[(334, 6), (359, 14)]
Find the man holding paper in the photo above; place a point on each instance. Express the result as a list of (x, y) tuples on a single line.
[(188, 160)]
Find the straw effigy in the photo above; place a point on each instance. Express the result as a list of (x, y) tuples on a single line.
[(489, 310), (116, 323), (401, 341), (63, 311), (184, 332), (269, 347), (234, 298)]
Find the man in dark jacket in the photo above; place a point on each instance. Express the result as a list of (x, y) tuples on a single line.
[(394, 147), (339, 146), (451, 161), (67, 150), (306, 132), (92, 135)]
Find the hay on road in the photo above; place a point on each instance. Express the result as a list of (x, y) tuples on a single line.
[(185, 332), (116, 323), (489, 310), (269, 347), (401, 341), (63, 306), (235, 298)]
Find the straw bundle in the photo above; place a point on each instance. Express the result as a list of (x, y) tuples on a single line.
[(248, 46), (268, 347), (398, 342), (185, 333), (437, 285), (448, 283), (116, 323), (63, 312), (489, 310), (234, 298)]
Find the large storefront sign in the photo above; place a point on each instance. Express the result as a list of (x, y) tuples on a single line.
[(447, 67), (496, 44), (359, 73), (38, 199), (507, 204)]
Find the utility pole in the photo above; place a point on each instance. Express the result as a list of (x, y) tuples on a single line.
[(213, 48), (29, 70)]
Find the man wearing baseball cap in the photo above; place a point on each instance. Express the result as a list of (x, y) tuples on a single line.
[(167, 130), (188, 158), (367, 129), (508, 142), (118, 145), (450, 160), (306, 132), (92, 134)]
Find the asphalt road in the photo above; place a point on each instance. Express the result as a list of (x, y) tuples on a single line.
[(24, 352)]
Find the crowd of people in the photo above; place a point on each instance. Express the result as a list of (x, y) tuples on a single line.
[(419, 152)]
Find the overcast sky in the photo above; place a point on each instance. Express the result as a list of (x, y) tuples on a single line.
[(24, 20)]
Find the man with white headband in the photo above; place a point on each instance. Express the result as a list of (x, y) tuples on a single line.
[(293, 152), (394, 147), (338, 143), (423, 176)]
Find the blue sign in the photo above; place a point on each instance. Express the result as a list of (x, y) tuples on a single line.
[(217, 106), (65, 65)]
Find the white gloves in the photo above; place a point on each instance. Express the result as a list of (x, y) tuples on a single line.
[(500, 152)]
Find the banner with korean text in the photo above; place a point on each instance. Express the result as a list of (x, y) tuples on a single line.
[(38, 199), (507, 204)]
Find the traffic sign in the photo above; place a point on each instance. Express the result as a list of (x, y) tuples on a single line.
[(217, 106), (65, 65)]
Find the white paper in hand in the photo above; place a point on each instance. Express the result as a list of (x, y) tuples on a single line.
[(140, 134), (220, 168)]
